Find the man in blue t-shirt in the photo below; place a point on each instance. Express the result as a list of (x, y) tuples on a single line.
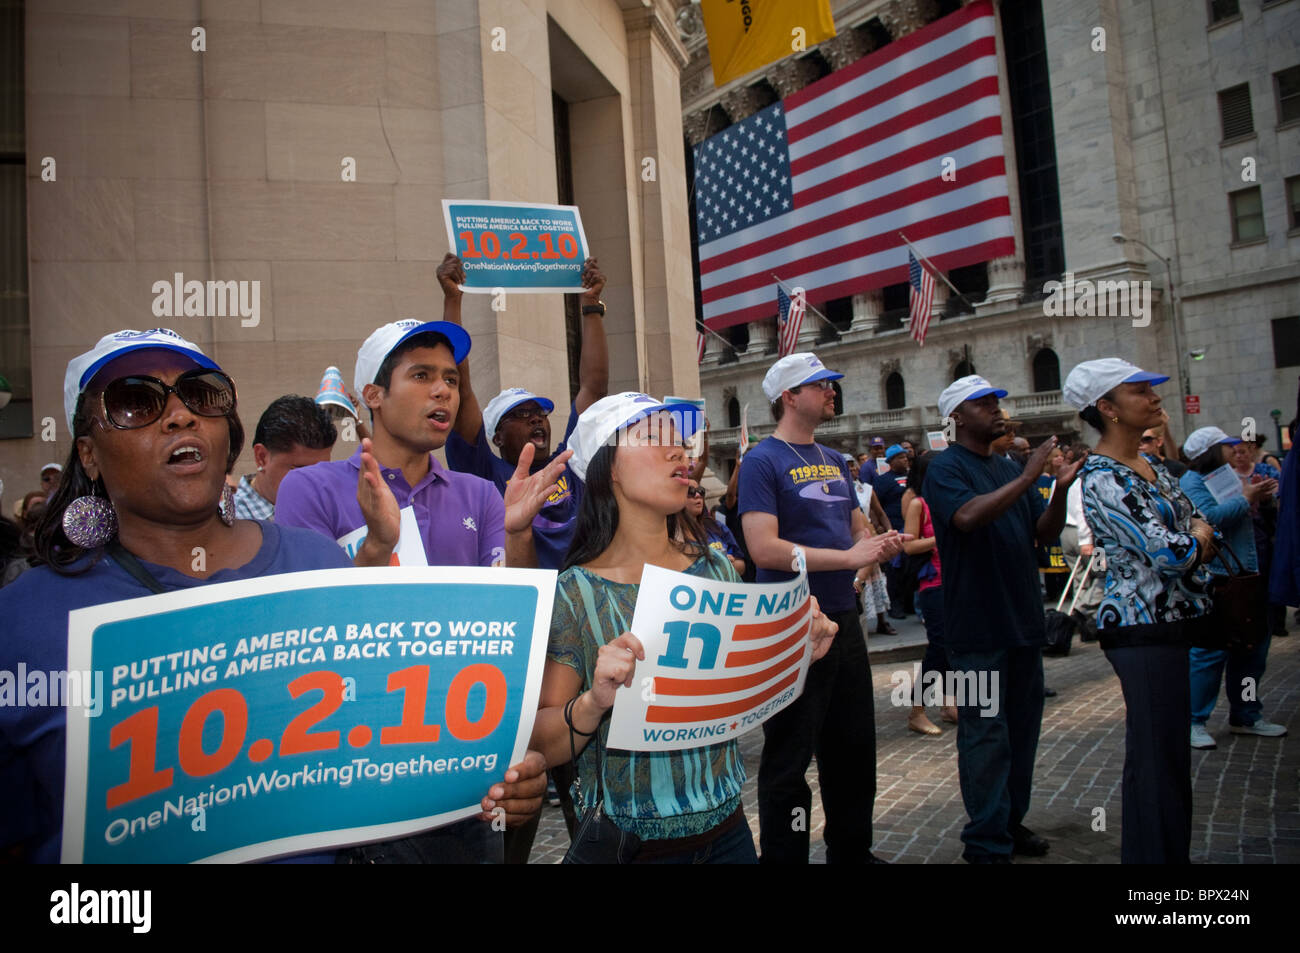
[(988, 521), (889, 488), (517, 417), (795, 493)]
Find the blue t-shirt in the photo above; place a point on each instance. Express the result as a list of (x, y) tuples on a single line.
[(553, 526), (34, 630), (807, 488), (720, 539), (991, 598), (890, 487)]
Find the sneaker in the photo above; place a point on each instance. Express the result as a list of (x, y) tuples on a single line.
[(1265, 729), (1201, 738)]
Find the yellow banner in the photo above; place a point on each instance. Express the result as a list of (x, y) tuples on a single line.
[(747, 34)]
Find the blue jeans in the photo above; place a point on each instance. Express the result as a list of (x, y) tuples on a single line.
[(1208, 668), (930, 602), (995, 754)]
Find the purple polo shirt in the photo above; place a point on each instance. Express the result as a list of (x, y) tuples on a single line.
[(462, 518)]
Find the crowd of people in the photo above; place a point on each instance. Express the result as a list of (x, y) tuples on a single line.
[(964, 537)]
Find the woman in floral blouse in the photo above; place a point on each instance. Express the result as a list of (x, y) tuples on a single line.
[(1155, 600)]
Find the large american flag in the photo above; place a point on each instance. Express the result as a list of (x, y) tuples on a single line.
[(816, 187), (790, 312), (920, 296)]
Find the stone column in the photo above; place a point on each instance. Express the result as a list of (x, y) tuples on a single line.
[(696, 126), (846, 47), (902, 17), (742, 102), (791, 75), (866, 311), (762, 335), (1006, 278)]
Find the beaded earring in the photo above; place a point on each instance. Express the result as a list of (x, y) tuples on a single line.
[(90, 521)]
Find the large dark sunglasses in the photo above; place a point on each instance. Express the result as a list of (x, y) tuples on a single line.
[(132, 402), (694, 491)]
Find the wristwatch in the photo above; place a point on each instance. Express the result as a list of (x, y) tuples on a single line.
[(597, 308)]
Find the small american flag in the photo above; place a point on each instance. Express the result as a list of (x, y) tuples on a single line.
[(920, 296), (791, 311), (700, 344)]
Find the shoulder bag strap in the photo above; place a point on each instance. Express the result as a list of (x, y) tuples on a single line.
[(133, 567)]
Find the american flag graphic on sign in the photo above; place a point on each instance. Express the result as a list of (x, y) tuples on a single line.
[(920, 296), (817, 186), (790, 312)]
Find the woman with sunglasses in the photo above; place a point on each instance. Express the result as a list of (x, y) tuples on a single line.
[(665, 807), (716, 536), (144, 489)]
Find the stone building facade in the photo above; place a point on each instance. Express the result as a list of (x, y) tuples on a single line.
[(226, 163), (1129, 100)]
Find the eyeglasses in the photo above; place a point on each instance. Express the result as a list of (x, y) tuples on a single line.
[(1146, 439), (820, 385), (694, 492), (523, 414), (129, 403)]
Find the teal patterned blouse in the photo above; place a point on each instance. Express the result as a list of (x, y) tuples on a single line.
[(655, 795)]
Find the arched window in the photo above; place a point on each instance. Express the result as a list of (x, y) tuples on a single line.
[(839, 398), (733, 412), (963, 369), (895, 395), (1047, 371)]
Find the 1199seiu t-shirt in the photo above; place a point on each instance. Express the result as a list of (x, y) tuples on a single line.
[(991, 596), (807, 488)]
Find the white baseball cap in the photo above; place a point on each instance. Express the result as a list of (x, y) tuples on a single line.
[(1090, 381), (600, 423), (52, 466), (794, 370), (85, 366), (506, 401), (382, 342), (971, 387), (1198, 441)]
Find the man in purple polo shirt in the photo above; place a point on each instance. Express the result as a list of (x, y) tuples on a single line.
[(406, 375)]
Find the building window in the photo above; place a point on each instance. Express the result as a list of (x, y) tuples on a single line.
[(895, 394), (1029, 86), (1287, 84), (1286, 342), (963, 369), (1247, 209), (1293, 200), (1221, 10), (733, 412), (894, 306), (1047, 371), (15, 319), (1234, 113)]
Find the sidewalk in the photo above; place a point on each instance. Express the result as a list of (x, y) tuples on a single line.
[(1246, 800)]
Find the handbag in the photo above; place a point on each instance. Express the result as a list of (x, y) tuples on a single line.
[(1238, 620), (597, 839)]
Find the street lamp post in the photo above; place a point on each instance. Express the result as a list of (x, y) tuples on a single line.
[(1184, 379)]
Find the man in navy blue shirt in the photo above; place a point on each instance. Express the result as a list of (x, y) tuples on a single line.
[(890, 486), (988, 521), (796, 493)]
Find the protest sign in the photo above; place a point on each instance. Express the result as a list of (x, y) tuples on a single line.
[(1223, 483), (721, 658), (517, 246), (301, 711)]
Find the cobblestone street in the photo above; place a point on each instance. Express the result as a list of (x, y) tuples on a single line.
[(1246, 792)]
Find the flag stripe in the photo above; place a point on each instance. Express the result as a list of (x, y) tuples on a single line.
[(765, 630), (684, 687), (659, 714), (754, 656)]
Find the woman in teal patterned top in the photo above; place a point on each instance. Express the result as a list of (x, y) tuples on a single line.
[(664, 807)]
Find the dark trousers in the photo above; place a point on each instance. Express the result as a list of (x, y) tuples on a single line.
[(1157, 758), (936, 657), (470, 841), (519, 840), (996, 743), (835, 719), (901, 586)]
